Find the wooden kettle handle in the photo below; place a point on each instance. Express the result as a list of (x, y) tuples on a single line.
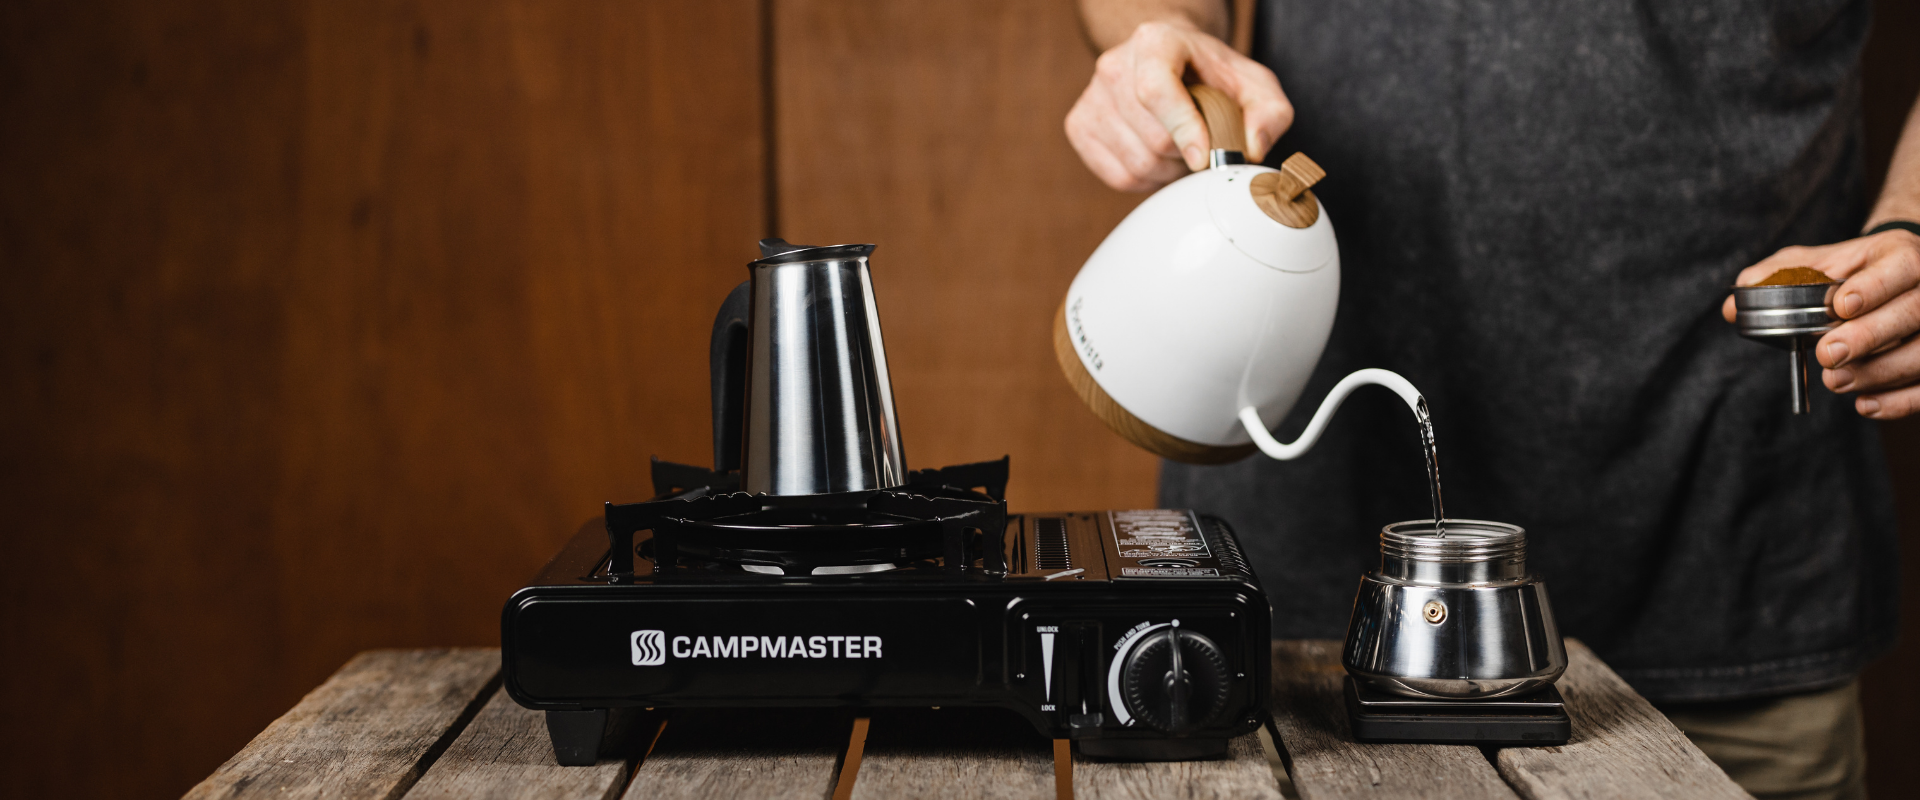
[(1226, 129)]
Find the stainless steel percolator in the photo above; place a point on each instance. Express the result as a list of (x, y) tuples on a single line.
[(1453, 616), (803, 402)]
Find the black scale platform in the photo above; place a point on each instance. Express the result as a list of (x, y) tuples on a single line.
[(1534, 719)]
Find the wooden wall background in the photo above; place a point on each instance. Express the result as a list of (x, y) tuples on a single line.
[(1890, 696), (326, 322)]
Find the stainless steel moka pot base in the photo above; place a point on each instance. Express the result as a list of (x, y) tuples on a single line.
[(1791, 318), (1454, 616)]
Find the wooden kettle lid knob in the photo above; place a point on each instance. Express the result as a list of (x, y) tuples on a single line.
[(1285, 195)]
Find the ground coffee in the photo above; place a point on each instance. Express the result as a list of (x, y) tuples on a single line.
[(1796, 276)]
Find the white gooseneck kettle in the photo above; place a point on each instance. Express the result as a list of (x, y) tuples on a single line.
[(1193, 328)]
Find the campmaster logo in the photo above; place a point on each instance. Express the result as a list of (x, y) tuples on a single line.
[(649, 648)]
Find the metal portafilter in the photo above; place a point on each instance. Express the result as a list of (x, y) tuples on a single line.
[(1790, 317)]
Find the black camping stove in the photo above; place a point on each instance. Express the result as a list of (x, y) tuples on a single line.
[(929, 594)]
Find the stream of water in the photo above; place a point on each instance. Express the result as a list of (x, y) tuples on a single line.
[(1433, 465)]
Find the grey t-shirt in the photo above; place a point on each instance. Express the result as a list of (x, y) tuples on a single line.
[(1540, 207)]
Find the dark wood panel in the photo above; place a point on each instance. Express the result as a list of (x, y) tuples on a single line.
[(325, 324), (1891, 78), (934, 130)]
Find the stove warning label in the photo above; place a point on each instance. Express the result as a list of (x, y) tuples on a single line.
[(1158, 533), (1169, 572)]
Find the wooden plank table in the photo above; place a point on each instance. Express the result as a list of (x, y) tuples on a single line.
[(434, 723)]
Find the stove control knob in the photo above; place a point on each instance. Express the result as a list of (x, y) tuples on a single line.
[(1176, 681)]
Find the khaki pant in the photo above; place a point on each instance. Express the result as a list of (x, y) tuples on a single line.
[(1798, 746)]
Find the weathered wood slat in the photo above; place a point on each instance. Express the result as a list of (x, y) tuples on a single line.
[(728, 754), (505, 753), (1243, 775), (1621, 747), (367, 732), (380, 722), (954, 753), (1310, 716)]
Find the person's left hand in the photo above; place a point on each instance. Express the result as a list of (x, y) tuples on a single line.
[(1871, 352)]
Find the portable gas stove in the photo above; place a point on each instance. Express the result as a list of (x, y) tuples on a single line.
[(927, 595)]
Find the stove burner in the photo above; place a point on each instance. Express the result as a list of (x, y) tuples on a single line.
[(696, 516), (853, 569)]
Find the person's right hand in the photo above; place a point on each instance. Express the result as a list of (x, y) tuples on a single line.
[(1135, 125)]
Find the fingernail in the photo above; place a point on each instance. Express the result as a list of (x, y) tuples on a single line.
[(1850, 304), (1841, 379), (1867, 406), (1837, 353)]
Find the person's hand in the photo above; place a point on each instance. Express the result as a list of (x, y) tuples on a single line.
[(1872, 352), (1135, 126)]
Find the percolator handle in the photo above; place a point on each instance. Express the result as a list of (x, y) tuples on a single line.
[(727, 370)]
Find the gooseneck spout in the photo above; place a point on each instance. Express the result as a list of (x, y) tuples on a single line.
[(1287, 451)]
